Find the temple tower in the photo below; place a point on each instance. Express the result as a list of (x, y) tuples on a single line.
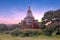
[(29, 17), (29, 12), (29, 21)]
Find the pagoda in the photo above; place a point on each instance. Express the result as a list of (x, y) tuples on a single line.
[(29, 21)]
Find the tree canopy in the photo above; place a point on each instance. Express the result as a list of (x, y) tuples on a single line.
[(49, 15)]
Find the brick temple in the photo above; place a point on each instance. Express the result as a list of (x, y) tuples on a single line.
[(29, 21)]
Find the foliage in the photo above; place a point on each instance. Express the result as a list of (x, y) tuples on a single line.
[(51, 14), (16, 32), (3, 28), (51, 29), (47, 32), (26, 33), (58, 29), (32, 33), (42, 26)]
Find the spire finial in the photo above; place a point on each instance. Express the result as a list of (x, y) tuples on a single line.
[(29, 7)]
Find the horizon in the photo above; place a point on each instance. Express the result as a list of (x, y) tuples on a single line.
[(13, 11)]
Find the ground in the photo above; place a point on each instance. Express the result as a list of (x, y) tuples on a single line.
[(41, 37)]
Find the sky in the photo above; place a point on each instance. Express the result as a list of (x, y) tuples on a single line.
[(13, 11)]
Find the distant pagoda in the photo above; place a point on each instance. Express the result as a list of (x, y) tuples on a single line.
[(29, 22)]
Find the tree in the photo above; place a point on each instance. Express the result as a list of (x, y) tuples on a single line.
[(48, 15), (51, 14), (42, 26), (50, 29)]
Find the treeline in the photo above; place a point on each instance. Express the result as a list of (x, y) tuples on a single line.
[(4, 27)]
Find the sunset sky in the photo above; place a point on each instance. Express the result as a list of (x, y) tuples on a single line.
[(13, 11)]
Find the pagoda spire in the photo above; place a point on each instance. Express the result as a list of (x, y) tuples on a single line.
[(29, 12), (29, 7)]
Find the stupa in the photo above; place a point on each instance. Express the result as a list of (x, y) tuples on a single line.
[(29, 21)]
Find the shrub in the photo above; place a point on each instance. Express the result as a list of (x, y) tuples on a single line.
[(26, 33), (32, 33), (35, 33), (47, 32), (7, 32), (16, 32), (58, 30), (42, 26), (50, 29)]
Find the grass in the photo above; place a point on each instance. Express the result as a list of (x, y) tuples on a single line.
[(41, 37)]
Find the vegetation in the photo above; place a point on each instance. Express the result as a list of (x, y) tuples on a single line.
[(26, 33), (32, 33), (13, 27), (16, 32), (3, 28), (51, 14), (54, 28)]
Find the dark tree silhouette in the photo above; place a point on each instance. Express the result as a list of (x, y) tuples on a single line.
[(51, 14)]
